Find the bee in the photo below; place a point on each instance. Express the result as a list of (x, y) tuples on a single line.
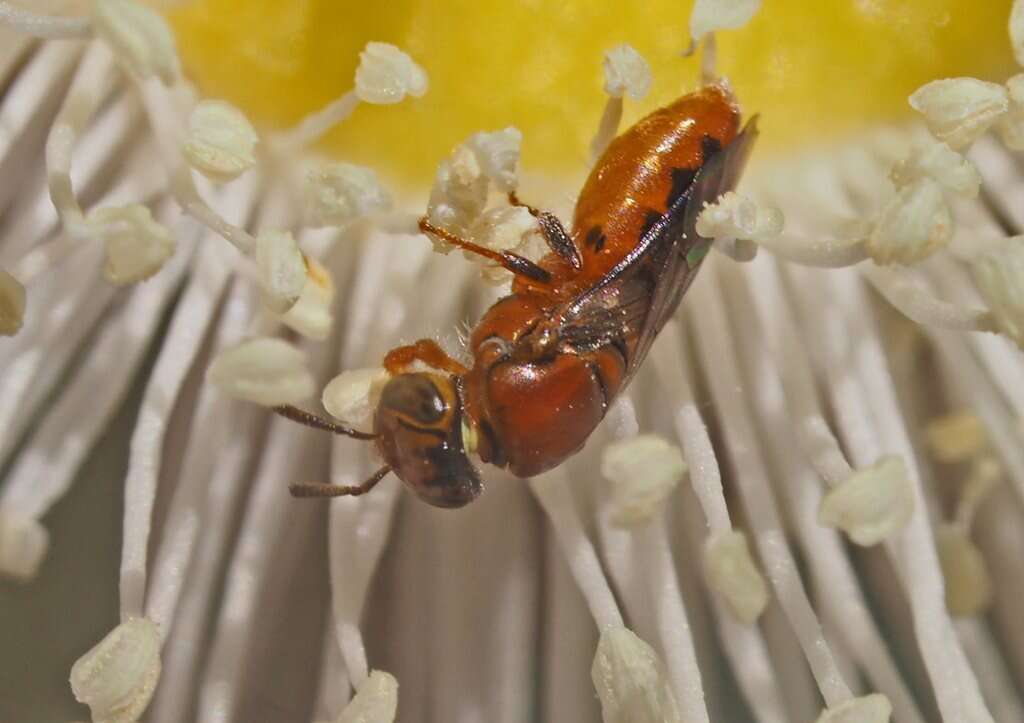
[(550, 358)]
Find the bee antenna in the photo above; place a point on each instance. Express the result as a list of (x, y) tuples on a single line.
[(319, 489), (315, 421)]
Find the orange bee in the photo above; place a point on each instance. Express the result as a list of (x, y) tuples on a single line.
[(549, 359)]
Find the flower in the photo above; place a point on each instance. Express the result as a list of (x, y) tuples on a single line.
[(788, 391)]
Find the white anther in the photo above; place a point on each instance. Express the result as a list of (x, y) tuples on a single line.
[(643, 471), (872, 503), (1011, 125), (937, 161), (221, 142), (311, 315), (139, 37), (959, 110), (630, 680), (736, 216), (352, 396), (12, 304), (23, 545), (1017, 30), (999, 275), (117, 677), (281, 269), (968, 583), (263, 370), (136, 245), (914, 224), (386, 75), (957, 437), (337, 193), (498, 153), (458, 196), (711, 15), (874, 708), (626, 72), (506, 228), (376, 701), (731, 572)]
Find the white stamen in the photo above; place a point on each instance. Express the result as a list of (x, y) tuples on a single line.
[(136, 245), (281, 269), (386, 75), (959, 110), (711, 15), (1011, 125), (999, 275), (498, 154), (116, 679), (376, 701), (23, 545), (263, 370), (643, 472), (631, 681), (918, 304), (874, 708), (311, 315), (626, 72), (12, 304), (220, 142), (1017, 30), (459, 195), (968, 583), (336, 193), (735, 216), (731, 572), (351, 397), (871, 504), (914, 224), (937, 161), (957, 437), (43, 26), (139, 36)]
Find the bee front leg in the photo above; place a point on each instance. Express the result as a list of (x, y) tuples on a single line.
[(400, 359), (554, 233), (519, 265)]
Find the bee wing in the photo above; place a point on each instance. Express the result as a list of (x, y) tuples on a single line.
[(643, 291)]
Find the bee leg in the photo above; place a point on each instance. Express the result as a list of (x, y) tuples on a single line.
[(320, 489), (427, 351), (519, 265), (554, 233)]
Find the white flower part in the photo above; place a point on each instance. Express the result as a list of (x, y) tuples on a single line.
[(631, 681), (139, 37), (959, 110), (999, 275), (498, 153), (1017, 30), (376, 701), (507, 228), (117, 677), (731, 572), (643, 471), (957, 437), (281, 270), (914, 224), (736, 216), (336, 193), (711, 15), (311, 315), (23, 545), (263, 370), (386, 75), (968, 583), (872, 503), (937, 161), (352, 396), (626, 72), (136, 245), (220, 142), (1011, 125), (874, 708), (12, 304), (458, 196)]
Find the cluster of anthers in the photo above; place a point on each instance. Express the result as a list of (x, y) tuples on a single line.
[(205, 142)]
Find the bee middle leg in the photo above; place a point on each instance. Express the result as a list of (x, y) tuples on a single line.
[(519, 265)]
